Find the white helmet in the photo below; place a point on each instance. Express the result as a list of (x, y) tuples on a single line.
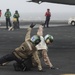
[(50, 37)]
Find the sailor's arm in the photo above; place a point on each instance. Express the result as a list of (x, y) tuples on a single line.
[(40, 31), (27, 37), (37, 59), (46, 58)]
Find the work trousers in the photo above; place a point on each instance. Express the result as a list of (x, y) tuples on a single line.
[(47, 21), (8, 22), (9, 57)]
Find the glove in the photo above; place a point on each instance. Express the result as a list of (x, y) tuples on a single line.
[(41, 70), (42, 24), (53, 68), (32, 25)]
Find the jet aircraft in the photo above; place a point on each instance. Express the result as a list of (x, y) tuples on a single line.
[(66, 2)]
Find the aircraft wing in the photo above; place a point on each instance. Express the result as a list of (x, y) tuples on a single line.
[(68, 2)]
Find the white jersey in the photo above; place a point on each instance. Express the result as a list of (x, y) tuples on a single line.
[(42, 44)]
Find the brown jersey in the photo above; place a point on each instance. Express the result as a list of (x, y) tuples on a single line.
[(26, 49)]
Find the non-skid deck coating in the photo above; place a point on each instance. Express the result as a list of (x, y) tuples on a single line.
[(61, 52)]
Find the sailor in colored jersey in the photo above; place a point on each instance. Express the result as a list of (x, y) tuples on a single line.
[(26, 49), (42, 47)]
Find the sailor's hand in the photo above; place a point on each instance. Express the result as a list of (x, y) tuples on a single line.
[(54, 68), (42, 24), (32, 25), (41, 70)]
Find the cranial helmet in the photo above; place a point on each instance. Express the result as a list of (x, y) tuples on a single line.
[(50, 37), (35, 39)]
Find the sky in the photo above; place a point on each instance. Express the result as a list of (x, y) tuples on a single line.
[(36, 11)]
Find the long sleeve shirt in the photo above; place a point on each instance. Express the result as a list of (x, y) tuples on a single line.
[(28, 48)]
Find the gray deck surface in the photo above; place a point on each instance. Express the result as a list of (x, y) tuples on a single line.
[(61, 52)]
